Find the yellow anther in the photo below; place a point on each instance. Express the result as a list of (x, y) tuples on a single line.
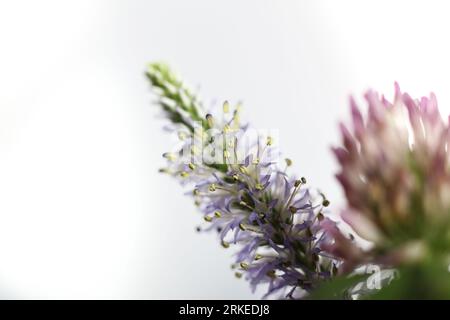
[(259, 186), (191, 166), (244, 265), (243, 170), (288, 162), (225, 244), (182, 135), (212, 187), (269, 141), (208, 218), (210, 120), (242, 227), (238, 275), (258, 256), (184, 174), (226, 106), (217, 214), (169, 156), (194, 150)]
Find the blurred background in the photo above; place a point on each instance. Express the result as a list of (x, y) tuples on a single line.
[(83, 211)]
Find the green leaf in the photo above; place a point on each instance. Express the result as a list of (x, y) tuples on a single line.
[(338, 288)]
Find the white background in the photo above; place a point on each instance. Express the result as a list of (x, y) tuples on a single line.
[(83, 211)]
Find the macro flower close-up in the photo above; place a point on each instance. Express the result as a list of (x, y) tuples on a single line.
[(238, 159)]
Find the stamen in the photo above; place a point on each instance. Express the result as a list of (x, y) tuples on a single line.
[(243, 170), (210, 120), (226, 106), (184, 174), (320, 216), (169, 156), (182, 135), (244, 265)]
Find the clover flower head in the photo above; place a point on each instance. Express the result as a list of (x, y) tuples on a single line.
[(394, 170)]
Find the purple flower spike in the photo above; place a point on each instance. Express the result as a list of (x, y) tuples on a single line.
[(273, 220)]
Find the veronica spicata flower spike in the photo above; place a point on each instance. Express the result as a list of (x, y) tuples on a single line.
[(272, 219), (395, 172)]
